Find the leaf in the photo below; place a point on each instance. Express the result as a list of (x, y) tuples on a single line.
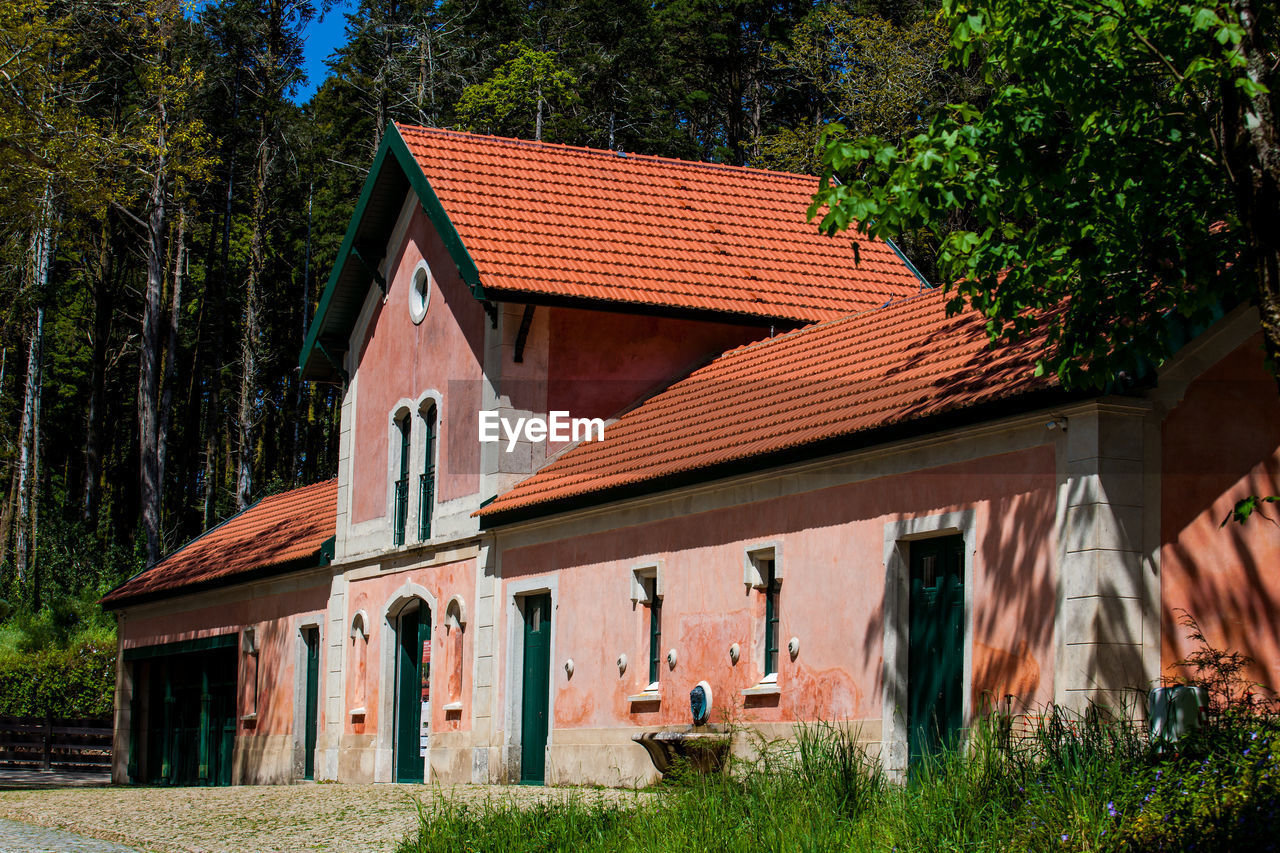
[(1246, 507)]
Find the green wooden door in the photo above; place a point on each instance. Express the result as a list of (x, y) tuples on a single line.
[(935, 656), (191, 712), (312, 637), (414, 638), (535, 688)]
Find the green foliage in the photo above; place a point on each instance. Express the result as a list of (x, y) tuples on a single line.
[(1090, 196), (1222, 794), (1223, 673), (1074, 783), (523, 93), (874, 77), (1247, 506), (73, 682)]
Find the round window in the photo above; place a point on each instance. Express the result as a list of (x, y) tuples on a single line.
[(420, 291)]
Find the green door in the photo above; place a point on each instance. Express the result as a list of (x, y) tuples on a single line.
[(935, 647), (412, 676), (191, 710), (535, 687), (312, 637)]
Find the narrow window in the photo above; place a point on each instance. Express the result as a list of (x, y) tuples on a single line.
[(427, 480), (655, 629), (402, 484), (771, 589)]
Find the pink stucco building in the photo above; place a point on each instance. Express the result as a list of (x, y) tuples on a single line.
[(817, 495)]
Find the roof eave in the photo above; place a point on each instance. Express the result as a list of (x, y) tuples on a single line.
[(350, 278), (954, 419), (313, 560)]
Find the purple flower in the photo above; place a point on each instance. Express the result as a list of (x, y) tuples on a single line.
[(1111, 808), (1065, 836)]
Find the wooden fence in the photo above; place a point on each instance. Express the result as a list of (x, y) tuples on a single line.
[(32, 743)]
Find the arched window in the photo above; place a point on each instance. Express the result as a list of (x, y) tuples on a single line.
[(403, 425), (427, 480)]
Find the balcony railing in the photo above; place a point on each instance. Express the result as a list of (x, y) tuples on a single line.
[(402, 510), (426, 502)]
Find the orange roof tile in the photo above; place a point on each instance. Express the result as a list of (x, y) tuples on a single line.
[(882, 368), (581, 223), (280, 529)]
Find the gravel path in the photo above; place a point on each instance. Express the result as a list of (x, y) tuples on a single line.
[(24, 838), (270, 819)]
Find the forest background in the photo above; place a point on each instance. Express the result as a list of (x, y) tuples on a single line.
[(169, 213)]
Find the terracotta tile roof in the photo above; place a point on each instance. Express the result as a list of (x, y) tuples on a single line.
[(582, 223), (882, 368), (283, 528)]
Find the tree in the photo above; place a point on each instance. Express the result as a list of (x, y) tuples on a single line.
[(1122, 182), (872, 76), (520, 95)]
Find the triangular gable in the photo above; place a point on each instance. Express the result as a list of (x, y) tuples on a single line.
[(533, 222)]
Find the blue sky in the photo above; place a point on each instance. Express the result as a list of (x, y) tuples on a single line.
[(319, 40)]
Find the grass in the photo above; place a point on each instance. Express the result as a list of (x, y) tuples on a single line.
[(1084, 784)]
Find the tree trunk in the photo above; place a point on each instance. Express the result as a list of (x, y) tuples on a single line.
[(149, 356), (171, 350), (249, 338), (103, 305), (25, 491), (42, 248), (6, 517)]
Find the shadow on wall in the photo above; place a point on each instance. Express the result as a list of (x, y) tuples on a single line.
[(1014, 615), (1220, 443)]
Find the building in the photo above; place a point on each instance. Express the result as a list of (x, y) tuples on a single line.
[(816, 494)]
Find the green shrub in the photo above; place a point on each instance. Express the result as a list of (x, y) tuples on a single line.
[(73, 682), (1088, 783), (1221, 793)]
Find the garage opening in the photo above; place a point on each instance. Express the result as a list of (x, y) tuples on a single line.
[(184, 712)]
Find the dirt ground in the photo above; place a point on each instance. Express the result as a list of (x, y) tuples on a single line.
[(274, 819)]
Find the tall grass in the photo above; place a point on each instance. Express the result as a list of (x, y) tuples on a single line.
[(1071, 783)]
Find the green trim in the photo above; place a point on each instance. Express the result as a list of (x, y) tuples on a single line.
[(434, 210), (393, 146), (335, 363), (327, 550), (371, 269), (902, 257), (182, 647)]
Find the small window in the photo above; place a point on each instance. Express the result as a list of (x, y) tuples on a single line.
[(420, 288), (772, 588), (762, 571), (654, 605), (427, 479), (402, 482), (646, 591)]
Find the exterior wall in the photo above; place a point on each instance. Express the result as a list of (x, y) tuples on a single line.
[(268, 745), (1221, 442), (395, 364), (830, 546), (601, 363), (379, 592)]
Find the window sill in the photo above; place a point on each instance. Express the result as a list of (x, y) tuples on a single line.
[(764, 688), (250, 719), (357, 712), (649, 697), (453, 706)]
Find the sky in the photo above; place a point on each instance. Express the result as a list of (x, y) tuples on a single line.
[(319, 40)]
